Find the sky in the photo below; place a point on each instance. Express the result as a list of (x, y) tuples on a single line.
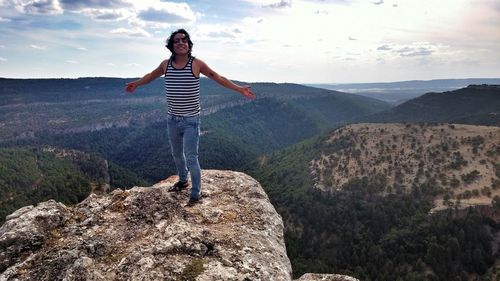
[(307, 41)]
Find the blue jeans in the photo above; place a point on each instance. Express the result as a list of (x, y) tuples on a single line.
[(184, 135)]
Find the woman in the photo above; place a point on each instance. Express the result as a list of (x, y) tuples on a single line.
[(182, 88)]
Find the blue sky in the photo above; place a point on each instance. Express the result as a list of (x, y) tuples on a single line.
[(309, 41)]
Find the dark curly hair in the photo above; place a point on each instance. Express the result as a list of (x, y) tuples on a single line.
[(170, 41)]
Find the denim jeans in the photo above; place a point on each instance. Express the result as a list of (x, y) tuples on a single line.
[(184, 135)]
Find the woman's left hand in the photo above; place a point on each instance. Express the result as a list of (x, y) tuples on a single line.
[(247, 92)]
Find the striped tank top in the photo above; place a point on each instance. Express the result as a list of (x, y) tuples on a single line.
[(182, 90)]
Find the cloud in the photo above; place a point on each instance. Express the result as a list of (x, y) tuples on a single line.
[(35, 7), (279, 5), (384, 48), (164, 16), (135, 32), (3, 59), (220, 34), (150, 11), (76, 5), (104, 14), (274, 4), (71, 62), (412, 50), (38, 47)]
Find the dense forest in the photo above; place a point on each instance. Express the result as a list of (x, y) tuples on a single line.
[(30, 175), (243, 131), (359, 232)]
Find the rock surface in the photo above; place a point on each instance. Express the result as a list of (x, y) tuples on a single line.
[(325, 277), (147, 233)]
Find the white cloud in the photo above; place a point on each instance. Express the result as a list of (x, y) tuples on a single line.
[(416, 49), (3, 59), (164, 12), (105, 14), (385, 47), (34, 7), (71, 62), (38, 47), (135, 32), (162, 16), (270, 3), (77, 5), (280, 4)]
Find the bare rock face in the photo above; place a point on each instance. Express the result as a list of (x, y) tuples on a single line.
[(146, 233)]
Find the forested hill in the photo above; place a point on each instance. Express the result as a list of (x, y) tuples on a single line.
[(475, 104), (456, 163), (30, 175), (32, 106), (359, 201)]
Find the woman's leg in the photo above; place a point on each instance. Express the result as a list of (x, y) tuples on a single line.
[(175, 137)]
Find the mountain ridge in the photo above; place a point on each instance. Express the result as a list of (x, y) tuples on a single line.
[(400, 91), (474, 100), (31, 106)]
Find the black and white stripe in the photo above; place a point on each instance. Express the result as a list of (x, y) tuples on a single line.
[(182, 90)]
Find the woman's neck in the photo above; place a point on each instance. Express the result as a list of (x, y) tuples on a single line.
[(180, 59)]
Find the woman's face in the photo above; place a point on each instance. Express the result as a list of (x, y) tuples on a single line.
[(181, 44)]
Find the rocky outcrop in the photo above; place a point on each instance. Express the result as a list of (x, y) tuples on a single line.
[(146, 233), (325, 277)]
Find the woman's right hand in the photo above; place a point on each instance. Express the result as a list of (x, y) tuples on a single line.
[(130, 87)]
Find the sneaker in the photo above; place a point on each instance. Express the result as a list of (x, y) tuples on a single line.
[(193, 201), (178, 186)]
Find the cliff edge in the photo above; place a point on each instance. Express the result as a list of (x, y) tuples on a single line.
[(146, 233)]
